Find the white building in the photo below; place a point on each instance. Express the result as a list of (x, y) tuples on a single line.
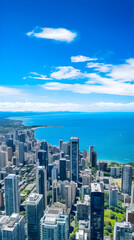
[(122, 231)]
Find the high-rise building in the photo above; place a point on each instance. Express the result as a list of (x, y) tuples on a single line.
[(62, 169), (130, 216), (42, 157), (54, 173), (126, 179), (74, 159), (44, 146), (96, 212), (12, 197), (54, 225), (55, 191), (113, 196), (12, 228), (91, 148), (102, 166), (132, 195), (83, 210), (68, 196), (3, 159), (41, 181), (61, 145), (122, 231), (114, 171), (21, 153), (34, 211)]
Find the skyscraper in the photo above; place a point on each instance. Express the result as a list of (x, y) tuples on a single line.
[(42, 157), (96, 212), (62, 169), (132, 195), (113, 197), (34, 211), (12, 198), (54, 225), (41, 181), (21, 153), (74, 159), (126, 179), (122, 231)]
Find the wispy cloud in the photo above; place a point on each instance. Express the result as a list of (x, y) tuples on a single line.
[(59, 34), (100, 67), (9, 91), (81, 58), (67, 72), (68, 106), (35, 75)]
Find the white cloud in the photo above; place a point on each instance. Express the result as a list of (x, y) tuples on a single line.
[(123, 72), (59, 34), (67, 72), (81, 58), (109, 87), (75, 107), (35, 75), (101, 67), (9, 91)]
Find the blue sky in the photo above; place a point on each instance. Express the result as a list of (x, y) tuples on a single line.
[(67, 55)]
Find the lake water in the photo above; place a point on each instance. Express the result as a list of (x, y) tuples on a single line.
[(111, 133)]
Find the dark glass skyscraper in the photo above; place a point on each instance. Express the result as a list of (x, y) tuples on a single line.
[(96, 212), (74, 159), (62, 169), (41, 181)]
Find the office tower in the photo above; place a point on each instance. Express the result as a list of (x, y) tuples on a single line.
[(94, 159), (44, 146), (86, 177), (102, 166), (91, 148), (84, 153), (54, 173), (73, 190), (3, 159), (126, 179), (41, 181), (114, 171), (9, 153), (68, 196), (83, 210), (12, 228), (12, 197), (61, 145), (1, 198), (14, 161), (34, 211), (130, 216), (62, 154), (55, 191), (66, 148), (122, 231), (10, 143), (132, 195), (113, 196), (96, 212), (74, 159), (42, 157), (21, 153), (54, 225), (62, 169), (22, 137), (83, 163)]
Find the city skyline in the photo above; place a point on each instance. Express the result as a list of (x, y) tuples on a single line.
[(65, 57)]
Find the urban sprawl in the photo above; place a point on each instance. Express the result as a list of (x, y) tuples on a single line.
[(59, 193)]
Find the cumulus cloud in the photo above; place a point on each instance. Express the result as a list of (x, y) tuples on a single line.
[(75, 107), (59, 34), (81, 58)]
